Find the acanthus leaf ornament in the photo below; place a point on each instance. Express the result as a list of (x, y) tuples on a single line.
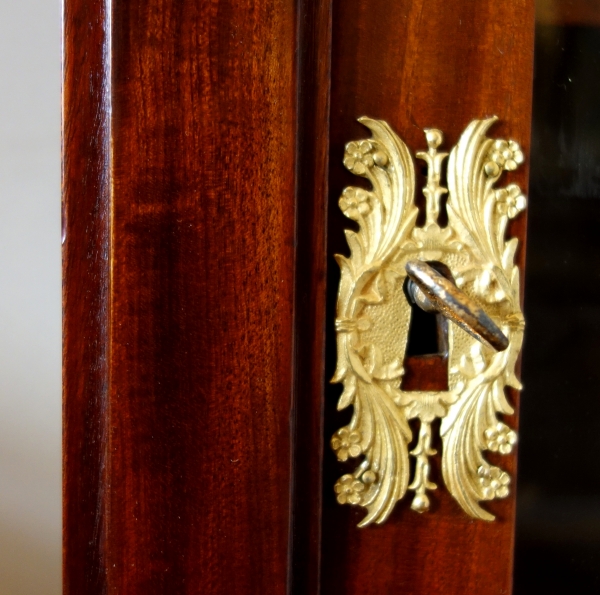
[(373, 317)]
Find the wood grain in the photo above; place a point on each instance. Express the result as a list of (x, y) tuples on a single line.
[(179, 334), (420, 64), (202, 281), (197, 142), (86, 189)]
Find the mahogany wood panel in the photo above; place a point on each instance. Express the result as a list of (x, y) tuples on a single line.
[(180, 198), (418, 64)]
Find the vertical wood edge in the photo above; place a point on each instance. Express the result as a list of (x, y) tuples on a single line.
[(86, 247), (314, 81), (518, 228)]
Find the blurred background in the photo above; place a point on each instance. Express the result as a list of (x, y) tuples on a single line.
[(558, 497), (30, 324), (558, 529)]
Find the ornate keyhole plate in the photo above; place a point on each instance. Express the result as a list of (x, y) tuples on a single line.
[(373, 316)]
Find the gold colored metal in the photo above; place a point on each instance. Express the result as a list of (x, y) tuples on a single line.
[(373, 317)]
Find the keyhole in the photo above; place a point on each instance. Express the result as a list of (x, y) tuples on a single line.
[(427, 333), (426, 357)]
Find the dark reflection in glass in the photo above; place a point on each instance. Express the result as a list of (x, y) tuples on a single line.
[(558, 504)]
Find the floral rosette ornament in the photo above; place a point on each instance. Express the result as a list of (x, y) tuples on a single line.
[(374, 317)]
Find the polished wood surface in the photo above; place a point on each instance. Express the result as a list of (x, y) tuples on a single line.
[(419, 64), (199, 294), (86, 189), (179, 339), (314, 47)]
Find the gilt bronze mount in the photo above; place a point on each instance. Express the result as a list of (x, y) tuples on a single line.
[(374, 314)]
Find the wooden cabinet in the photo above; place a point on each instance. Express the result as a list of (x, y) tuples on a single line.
[(203, 146)]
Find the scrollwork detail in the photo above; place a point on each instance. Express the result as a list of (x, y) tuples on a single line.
[(373, 316)]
